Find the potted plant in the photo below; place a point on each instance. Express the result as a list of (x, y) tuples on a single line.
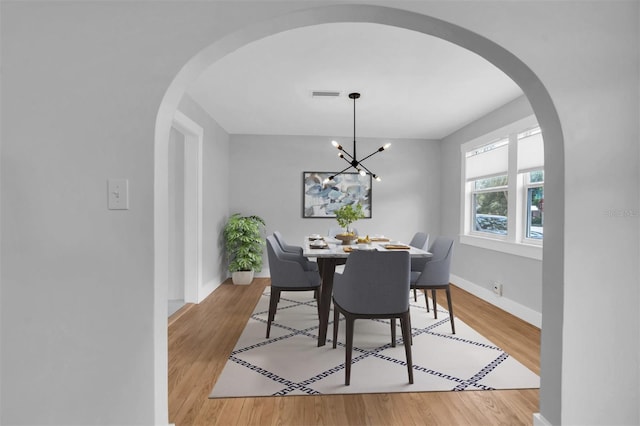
[(345, 216), (243, 237)]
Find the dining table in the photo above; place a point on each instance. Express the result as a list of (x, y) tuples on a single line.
[(330, 253)]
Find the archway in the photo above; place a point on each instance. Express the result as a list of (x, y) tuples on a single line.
[(534, 90)]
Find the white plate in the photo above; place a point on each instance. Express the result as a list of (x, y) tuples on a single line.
[(365, 247)]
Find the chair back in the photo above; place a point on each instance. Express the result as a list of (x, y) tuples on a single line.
[(284, 246), (436, 270), (285, 269), (442, 248), (286, 252), (274, 252), (420, 240), (374, 282)]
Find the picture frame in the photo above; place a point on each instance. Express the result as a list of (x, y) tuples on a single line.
[(322, 197)]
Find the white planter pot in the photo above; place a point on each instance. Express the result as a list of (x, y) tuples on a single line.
[(242, 277)]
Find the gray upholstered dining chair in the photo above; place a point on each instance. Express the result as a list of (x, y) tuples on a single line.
[(291, 252), (287, 275), (373, 285), (420, 240), (435, 275)]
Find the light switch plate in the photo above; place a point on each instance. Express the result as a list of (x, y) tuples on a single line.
[(118, 194)]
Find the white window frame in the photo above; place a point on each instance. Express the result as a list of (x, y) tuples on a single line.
[(514, 242), (526, 185), (471, 191)]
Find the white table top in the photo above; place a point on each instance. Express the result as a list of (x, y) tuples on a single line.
[(336, 249)]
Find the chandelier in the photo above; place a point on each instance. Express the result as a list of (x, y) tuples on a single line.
[(352, 160)]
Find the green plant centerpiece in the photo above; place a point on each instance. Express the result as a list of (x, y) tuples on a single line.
[(345, 216), (244, 239)]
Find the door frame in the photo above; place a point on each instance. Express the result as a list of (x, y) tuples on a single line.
[(193, 141)]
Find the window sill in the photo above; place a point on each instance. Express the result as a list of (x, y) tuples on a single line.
[(519, 249)]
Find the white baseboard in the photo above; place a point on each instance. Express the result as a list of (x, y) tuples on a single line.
[(539, 420), (514, 308), (262, 274), (206, 289)]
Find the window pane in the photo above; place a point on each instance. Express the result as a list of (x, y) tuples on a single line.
[(536, 176), (491, 182), (535, 216), (490, 212)]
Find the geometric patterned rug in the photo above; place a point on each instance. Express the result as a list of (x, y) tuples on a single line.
[(291, 363)]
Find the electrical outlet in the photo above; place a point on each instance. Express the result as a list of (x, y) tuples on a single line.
[(497, 288)]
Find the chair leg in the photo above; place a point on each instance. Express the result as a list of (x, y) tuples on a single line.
[(273, 305), (393, 332), (426, 298), (435, 309), (347, 363), (336, 322), (453, 327), (415, 295), (405, 324)]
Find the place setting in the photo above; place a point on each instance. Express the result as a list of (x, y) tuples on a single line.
[(317, 241)]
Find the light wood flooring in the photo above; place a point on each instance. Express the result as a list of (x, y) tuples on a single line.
[(202, 338)]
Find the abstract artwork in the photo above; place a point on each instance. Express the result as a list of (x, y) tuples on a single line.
[(322, 199)]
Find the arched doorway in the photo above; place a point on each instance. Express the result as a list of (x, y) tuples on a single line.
[(532, 87)]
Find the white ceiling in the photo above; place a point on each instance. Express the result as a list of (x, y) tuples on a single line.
[(412, 85)]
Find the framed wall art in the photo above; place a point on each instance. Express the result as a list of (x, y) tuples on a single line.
[(321, 199)]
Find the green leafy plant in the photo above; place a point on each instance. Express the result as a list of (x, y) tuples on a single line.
[(348, 214), (243, 237)]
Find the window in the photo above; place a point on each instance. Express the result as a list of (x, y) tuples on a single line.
[(534, 211), (530, 161), (486, 173), (503, 190)]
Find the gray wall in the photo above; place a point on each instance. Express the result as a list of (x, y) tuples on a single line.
[(420, 191), (521, 277), (87, 112), (405, 201)]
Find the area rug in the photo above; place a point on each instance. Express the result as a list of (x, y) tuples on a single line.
[(291, 363)]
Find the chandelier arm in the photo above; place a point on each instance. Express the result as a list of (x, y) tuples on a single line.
[(342, 171), (370, 155), (351, 164), (368, 171), (345, 152)]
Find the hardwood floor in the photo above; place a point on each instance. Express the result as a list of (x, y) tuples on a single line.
[(202, 338)]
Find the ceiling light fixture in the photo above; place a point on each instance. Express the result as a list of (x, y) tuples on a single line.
[(353, 159)]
